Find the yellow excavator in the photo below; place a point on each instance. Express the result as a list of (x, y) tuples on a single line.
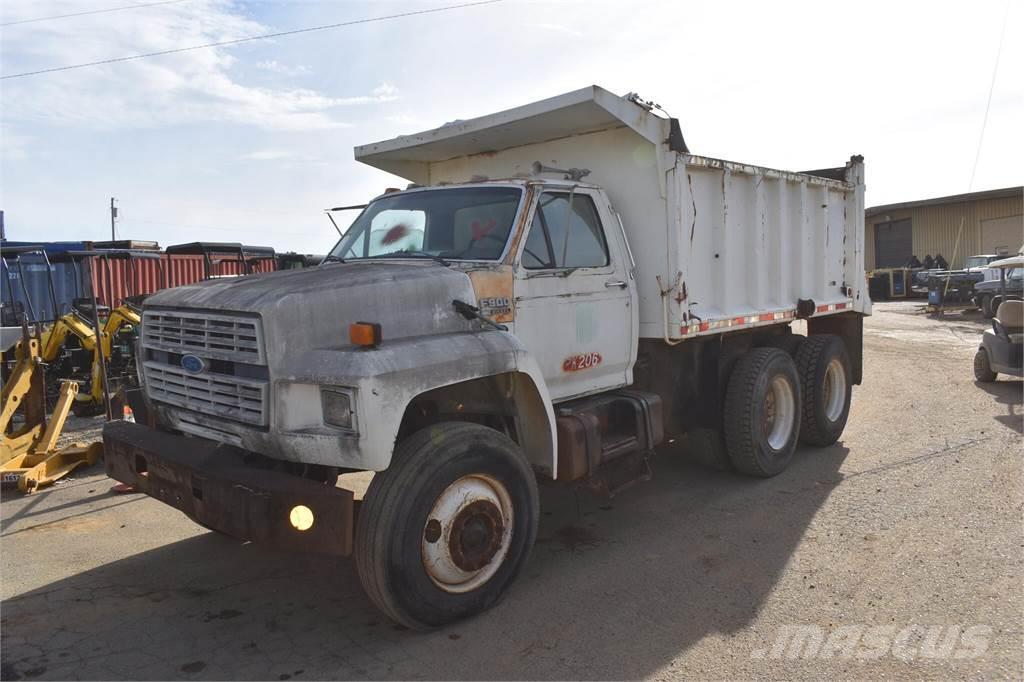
[(76, 325), (29, 456)]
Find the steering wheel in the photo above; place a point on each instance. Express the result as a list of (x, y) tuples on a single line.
[(472, 245)]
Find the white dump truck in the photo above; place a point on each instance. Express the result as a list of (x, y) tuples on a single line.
[(562, 287)]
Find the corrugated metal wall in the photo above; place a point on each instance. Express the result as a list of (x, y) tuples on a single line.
[(935, 228), (116, 279), (25, 288)]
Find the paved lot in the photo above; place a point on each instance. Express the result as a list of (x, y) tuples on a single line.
[(914, 519)]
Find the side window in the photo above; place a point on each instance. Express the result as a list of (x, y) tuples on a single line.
[(537, 251), (565, 235)]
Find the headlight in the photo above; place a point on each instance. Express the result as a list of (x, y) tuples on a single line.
[(337, 405)]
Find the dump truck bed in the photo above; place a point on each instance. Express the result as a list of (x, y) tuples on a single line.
[(719, 245)]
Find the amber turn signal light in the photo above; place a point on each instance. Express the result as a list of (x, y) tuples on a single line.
[(366, 334)]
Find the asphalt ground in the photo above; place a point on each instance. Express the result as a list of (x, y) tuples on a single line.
[(895, 553)]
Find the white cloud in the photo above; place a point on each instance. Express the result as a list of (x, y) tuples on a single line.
[(385, 92), (406, 120), (278, 155), (14, 144), (198, 86), (558, 28), (274, 66)]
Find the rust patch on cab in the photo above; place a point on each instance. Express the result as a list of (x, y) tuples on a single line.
[(493, 290)]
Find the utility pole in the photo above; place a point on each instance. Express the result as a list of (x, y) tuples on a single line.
[(113, 217)]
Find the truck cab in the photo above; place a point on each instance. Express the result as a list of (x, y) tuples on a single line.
[(553, 247)]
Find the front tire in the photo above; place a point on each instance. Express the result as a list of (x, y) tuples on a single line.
[(983, 368), (824, 367), (762, 412), (445, 530)]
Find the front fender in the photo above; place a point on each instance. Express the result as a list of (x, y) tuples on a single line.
[(386, 379)]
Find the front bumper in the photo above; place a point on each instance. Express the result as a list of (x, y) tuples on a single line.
[(209, 482)]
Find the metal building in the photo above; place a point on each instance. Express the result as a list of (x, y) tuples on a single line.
[(986, 222)]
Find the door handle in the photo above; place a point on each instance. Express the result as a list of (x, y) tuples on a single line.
[(616, 283)]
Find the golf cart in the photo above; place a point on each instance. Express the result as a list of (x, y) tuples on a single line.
[(1000, 351)]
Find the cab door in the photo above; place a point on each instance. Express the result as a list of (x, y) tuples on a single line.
[(575, 299)]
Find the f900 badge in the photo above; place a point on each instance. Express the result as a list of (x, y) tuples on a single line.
[(498, 305), (581, 361)]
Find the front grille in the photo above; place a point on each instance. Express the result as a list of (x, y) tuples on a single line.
[(208, 335), (230, 397)]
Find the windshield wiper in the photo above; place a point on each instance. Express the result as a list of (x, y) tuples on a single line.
[(414, 254), (471, 312), (331, 258)]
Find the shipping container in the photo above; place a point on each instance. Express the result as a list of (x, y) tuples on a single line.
[(117, 279), (26, 274)]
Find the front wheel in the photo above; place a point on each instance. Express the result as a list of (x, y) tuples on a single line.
[(982, 367), (445, 530)]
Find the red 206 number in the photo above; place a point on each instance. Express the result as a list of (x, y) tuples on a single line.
[(581, 361)]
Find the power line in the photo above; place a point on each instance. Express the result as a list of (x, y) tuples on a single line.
[(988, 103), (977, 153), (94, 11), (251, 38)]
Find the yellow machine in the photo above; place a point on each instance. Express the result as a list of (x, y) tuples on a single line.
[(75, 324), (28, 451)]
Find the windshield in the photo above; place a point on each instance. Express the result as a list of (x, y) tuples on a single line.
[(978, 261), (469, 223)]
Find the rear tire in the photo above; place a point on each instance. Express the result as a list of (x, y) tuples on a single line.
[(446, 528), (824, 367), (762, 412), (983, 368), (707, 448), (986, 306), (788, 342), (993, 306)]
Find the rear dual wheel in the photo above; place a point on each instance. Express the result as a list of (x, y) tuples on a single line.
[(774, 399), (762, 412), (446, 528), (826, 385)]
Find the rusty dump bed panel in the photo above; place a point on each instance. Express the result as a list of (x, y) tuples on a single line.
[(210, 484)]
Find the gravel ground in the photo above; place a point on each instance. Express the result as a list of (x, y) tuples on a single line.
[(900, 548)]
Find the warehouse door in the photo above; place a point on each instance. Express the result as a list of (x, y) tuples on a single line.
[(893, 243), (1002, 235)]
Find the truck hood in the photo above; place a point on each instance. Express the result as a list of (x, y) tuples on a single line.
[(313, 308)]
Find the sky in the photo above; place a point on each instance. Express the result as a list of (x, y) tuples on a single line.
[(251, 142)]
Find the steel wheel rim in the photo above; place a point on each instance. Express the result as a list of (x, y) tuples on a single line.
[(834, 390), (467, 534), (780, 412)]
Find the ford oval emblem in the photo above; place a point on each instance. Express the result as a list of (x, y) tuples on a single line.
[(192, 363)]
